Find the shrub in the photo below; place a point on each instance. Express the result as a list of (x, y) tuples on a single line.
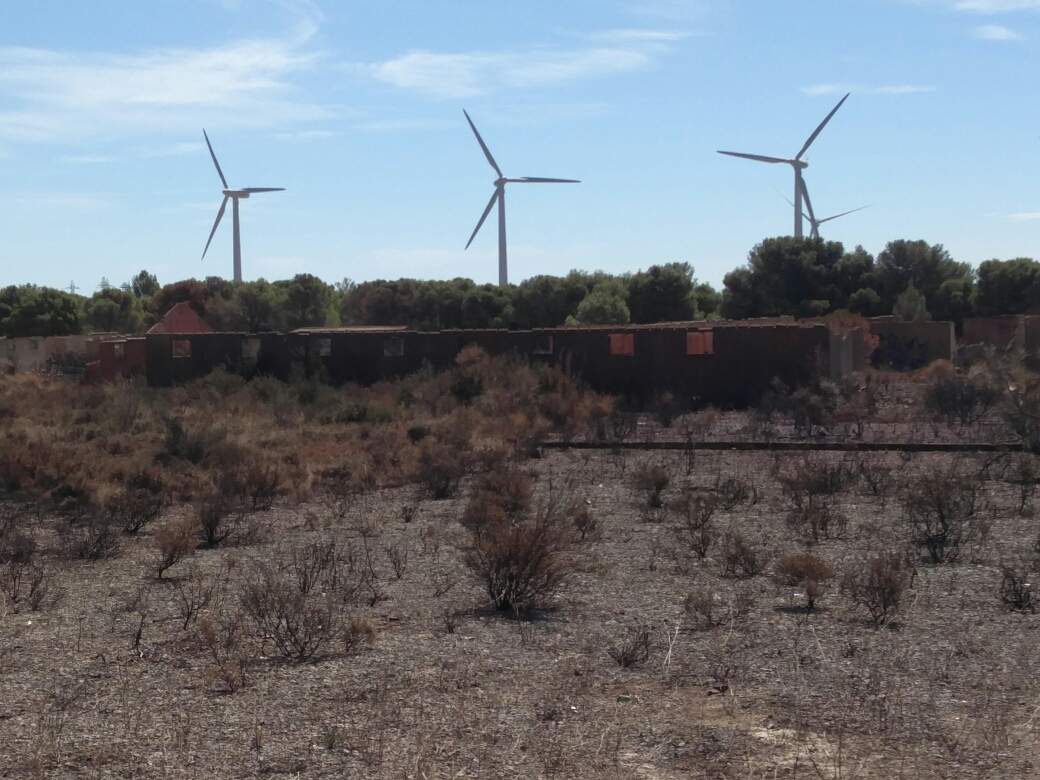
[(806, 571), (877, 584), (520, 565), (733, 492), (466, 387), (585, 524), (440, 469), (139, 503), (708, 609), (249, 478), (219, 519), (1017, 588), (193, 594), (29, 583), (665, 408), (498, 496), (694, 514), (222, 634), (738, 558), (960, 399), (173, 542), (416, 433), (94, 538), (652, 479), (633, 649), (815, 520), (941, 510), (190, 444)]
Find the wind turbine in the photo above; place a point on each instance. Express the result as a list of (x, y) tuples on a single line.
[(499, 195), (234, 196), (811, 216), (798, 164)]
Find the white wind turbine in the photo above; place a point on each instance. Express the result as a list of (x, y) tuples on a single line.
[(499, 195), (798, 164), (811, 216), (234, 196)]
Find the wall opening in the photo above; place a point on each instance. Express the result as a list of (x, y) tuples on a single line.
[(544, 345), (322, 346), (181, 348), (623, 344), (251, 350), (700, 342), (119, 350)]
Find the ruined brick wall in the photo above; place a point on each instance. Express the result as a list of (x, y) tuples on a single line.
[(937, 339), (1000, 332)]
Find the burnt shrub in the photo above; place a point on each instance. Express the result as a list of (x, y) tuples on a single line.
[(960, 399), (877, 584), (219, 519), (805, 571), (815, 520), (665, 408), (1018, 588), (94, 537), (222, 633), (29, 584), (707, 608), (441, 469), (941, 510), (249, 478), (808, 407), (808, 486), (139, 503), (652, 480), (174, 542), (519, 565), (190, 444), (633, 649), (498, 496), (733, 492), (694, 513), (416, 433), (738, 558), (295, 605)]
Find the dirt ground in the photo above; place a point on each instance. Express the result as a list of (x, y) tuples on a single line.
[(109, 683)]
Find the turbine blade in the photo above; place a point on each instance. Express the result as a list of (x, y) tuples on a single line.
[(758, 157), (487, 152), (542, 180), (220, 173), (263, 189), (216, 222), (484, 216), (822, 125), (844, 213), (808, 201)]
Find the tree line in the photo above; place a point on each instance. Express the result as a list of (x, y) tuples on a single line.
[(782, 277)]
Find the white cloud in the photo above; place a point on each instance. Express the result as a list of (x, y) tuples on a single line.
[(59, 200), (628, 35), (816, 90), (1024, 216), (996, 6), (458, 75), (58, 95), (995, 32), (88, 159)]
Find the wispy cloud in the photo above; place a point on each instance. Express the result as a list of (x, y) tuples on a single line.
[(996, 6), (180, 149), (634, 34), (57, 94), (88, 159), (61, 200), (817, 90), (995, 32), (467, 74), (670, 10), (1024, 216)]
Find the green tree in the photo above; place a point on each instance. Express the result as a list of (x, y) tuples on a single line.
[(662, 293), (307, 300), (923, 265), (1008, 287), (112, 310), (144, 284), (911, 306), (29, 310), (605, 305)]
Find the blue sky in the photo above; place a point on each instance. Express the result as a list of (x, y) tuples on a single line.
[(356, 108)]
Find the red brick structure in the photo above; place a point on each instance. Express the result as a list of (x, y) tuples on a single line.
[(181, 318)]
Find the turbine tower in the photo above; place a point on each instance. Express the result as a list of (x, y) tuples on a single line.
[(811, 216), (234, 196), (499, 196), (798, 164)]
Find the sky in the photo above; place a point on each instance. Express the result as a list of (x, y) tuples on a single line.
[(356, 108)]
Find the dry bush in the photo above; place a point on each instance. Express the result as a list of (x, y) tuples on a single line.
[(441, 468), (652, 480), (806, 571), (1018, 588), (29, 583), (219, 519), (174, 542), (815, 520), (738, 558), (191, 444), (397, 557), (708, 609), (16, 546), (878, 478), (222, 633), (193, 592), (942, 511), (93, 537), (586, 525), (693, 528), (809, 486), (878, 583), (633, 649), (959, 398), (519, 565), (733, 492), (139, 503), (498, 496), (248, 477), (665, 407)]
